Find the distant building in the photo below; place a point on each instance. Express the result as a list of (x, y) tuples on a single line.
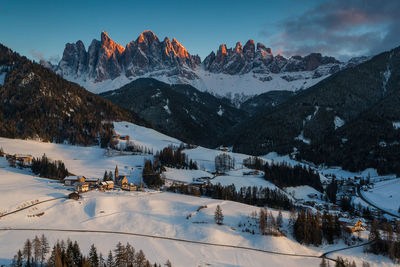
[(129, 187), (71, 180), (92, 181), (122, 180), (25, 160), (124, 137), (107, 185), (82, 187)]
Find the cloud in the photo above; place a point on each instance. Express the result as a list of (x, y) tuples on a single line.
[(39, 56), (342, 28)]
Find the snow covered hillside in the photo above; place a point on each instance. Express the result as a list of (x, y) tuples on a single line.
[(159, 215), (221, 84)]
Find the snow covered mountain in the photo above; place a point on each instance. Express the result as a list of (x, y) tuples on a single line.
[(237, 72)]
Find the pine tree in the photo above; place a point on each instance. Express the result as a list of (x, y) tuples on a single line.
[(37, 247), (140, 259), (130, 254), (93, 257), (168, 264), (218, 216), (263, 221), (17, 260), (110, 260), (119, 257), (27, 252), (105, 176), (279, 219)]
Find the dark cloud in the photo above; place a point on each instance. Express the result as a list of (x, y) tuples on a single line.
[(342, 28)]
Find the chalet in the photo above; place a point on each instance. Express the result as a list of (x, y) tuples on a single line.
[(129, 187), (81, 187), (71, 180), (122, 180), (198, 184), (25, 160), (124, 137), (107, 185), (92, 181), (312, 195), (358, 226), (223, 148), (116, 136)]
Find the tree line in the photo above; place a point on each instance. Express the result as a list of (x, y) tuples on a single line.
[(174, 157), (49, 169), (256, 196), (68, 253), (312, 229), (284, 175), (387, 243)]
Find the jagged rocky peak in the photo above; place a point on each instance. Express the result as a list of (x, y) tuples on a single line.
[(109, 44), (106, 59), (259, 58)]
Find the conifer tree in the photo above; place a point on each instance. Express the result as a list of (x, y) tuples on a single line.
[(263, 221), (93, 257), (37, 247), (27, 252), (110, 259), (218, 216), (279, 219)]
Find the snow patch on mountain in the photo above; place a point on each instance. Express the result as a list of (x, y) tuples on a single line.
[(396, 125), (2, 78), (338, 122)]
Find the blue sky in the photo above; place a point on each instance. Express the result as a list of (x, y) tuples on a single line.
[(41, 28)]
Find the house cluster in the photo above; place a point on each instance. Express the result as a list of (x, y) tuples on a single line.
[(19, 159), (83, 184)]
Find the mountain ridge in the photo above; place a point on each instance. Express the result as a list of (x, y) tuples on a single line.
[(107, 65)]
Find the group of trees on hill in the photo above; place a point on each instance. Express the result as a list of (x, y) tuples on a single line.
[(224, 162), (174, 157), (387, 243), (310, 228), (151, 174), (68, 253), (49, 169), (284, 175), (256, 196)]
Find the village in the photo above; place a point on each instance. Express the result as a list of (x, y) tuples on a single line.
[(353, 219)]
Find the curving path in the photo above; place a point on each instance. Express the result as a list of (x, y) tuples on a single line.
[(373, 205), (185, 241)]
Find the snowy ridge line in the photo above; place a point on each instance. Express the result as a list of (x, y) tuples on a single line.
[(30, 206), (171, 239)]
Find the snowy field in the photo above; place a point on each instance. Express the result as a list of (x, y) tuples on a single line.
[(151, 212), (385, 195)]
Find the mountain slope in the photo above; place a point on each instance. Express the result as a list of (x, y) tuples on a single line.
[(178, 110), (343, 106), (37, 103)]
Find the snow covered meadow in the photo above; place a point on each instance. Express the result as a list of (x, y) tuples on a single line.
[(152, 213)]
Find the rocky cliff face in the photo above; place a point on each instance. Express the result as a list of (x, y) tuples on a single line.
[(260, 59), (106, 59), (243, 70)]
